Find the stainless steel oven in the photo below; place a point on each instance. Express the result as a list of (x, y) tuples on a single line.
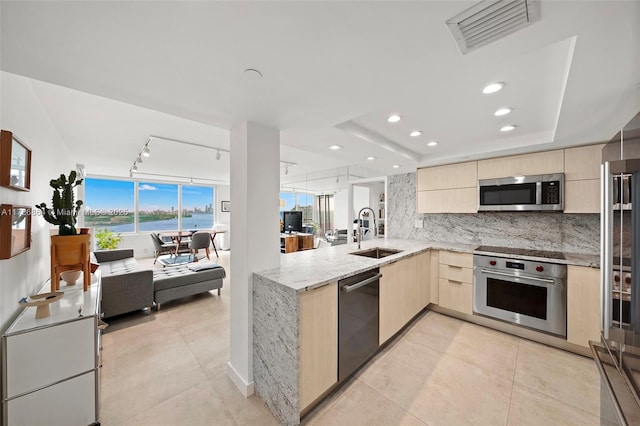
[(528, 293)]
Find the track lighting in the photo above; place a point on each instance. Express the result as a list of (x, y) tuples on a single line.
[(135, 167), (337, 179), (286, 170), (139, 159), (146, 152), (218, 155), (130, 173), (191, 181)]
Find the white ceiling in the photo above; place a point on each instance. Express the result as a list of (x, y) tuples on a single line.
[(175, 69)]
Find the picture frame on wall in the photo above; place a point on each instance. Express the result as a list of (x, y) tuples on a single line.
[(225, 206), (15, 230), (15, 162)]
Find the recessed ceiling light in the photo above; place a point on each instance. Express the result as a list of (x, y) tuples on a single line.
[(492, 88), (335, 147), (371, 157), (394, 118), (432, 143), (396, 166), (507, 128), (415, 133), (502, 111)]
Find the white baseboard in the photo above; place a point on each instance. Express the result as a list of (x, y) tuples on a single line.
[(245, 387)]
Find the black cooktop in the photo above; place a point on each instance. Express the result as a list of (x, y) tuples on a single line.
[(520, 252)]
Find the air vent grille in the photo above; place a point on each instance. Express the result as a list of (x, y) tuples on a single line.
[(491, 20)]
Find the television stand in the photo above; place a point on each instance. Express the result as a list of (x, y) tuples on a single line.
[(290, 243)]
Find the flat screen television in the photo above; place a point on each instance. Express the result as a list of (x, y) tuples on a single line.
[(292, 221)]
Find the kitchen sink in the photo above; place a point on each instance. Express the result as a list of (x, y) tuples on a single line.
[(376, 253)]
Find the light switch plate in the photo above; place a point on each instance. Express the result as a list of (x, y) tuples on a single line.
[(419, 223)]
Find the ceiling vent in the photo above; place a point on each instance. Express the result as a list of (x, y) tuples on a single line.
[(491, 20)]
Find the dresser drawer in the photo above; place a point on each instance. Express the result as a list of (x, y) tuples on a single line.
[(463, 260)]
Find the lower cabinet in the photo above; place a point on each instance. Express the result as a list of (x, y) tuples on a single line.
[(318, 342), (583, 304), (404, 291), (455, 289)]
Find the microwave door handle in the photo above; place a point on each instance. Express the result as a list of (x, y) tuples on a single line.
[(616, 192), (625, 189), (538, 193), (607, 186), (525, 277)]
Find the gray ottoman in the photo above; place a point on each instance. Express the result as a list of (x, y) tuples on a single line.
[(180, 281)]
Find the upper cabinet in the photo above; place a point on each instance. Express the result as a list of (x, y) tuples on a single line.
[(447, 189), (538, 163), (582, 179)]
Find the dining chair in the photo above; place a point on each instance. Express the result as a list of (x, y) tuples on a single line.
[(200, 240), (162, 247)]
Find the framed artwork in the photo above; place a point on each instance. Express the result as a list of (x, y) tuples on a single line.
[(15, 162), (15, 230), (225, 206)]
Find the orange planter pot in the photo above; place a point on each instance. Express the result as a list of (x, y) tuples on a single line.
[(70, 253)]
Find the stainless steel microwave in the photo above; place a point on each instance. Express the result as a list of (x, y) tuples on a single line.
[(522, 193)]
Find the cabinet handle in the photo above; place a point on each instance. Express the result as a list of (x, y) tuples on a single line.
[(454, 266), (454, 281), (349, 288)]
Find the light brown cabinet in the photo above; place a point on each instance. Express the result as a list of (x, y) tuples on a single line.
[(582, 179), (538, 163), (455, 289), (583, 305), (404, 291), (318, 342), (447, 189), (433, 277)]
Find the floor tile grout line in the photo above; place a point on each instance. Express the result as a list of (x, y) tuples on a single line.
[(395, 403), (513, 381)]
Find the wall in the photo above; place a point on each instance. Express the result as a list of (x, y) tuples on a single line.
[(572, 233), (340, 209), (24, 115)]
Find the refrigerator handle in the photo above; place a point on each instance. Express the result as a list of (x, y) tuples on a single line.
[(606, 247)]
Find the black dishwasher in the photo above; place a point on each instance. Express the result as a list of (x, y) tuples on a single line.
[(357, 320)]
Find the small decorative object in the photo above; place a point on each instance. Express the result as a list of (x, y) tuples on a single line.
[(84, 230), (15, 230), (15, 162), (42, 302), (107, 240), (70, 277), (64, 211), (225, 206)]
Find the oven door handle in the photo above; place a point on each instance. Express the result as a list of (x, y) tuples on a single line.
[(349, 288), (526, 277)]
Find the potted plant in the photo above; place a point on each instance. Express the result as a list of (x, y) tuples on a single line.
[(69, 250), (107, 240)]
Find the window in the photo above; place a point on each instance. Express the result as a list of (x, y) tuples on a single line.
[(298, 201), (157, 206), (109, 204), (197, 207)]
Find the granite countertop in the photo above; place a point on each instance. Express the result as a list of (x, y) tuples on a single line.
[(309, 269)]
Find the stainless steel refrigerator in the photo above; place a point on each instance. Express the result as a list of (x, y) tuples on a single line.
[(618, 353)]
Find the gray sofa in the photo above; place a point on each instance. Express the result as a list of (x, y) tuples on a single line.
[(127, 287)]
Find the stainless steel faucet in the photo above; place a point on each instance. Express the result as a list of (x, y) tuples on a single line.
[(375, 227)]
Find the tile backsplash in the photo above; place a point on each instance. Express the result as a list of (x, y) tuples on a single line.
[(571, 233)]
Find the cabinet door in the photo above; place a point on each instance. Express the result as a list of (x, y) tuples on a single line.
[(456, 295), (71, 402), (582, 162), (461, 175), (392, 299), (583, 304), (434, 277), (582, 196), (538, 163), (318, 342), (423, 280), (460, 200)]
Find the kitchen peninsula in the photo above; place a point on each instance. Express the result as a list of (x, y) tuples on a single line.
[(295, 310)]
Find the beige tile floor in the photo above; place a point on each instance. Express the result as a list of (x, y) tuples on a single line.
[(169, 368)]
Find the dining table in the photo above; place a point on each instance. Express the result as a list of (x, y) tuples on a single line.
[(176, 236)]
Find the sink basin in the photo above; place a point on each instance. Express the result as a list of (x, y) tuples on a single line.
[(376, 253)]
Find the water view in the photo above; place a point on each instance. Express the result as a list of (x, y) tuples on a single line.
[(196, 221)]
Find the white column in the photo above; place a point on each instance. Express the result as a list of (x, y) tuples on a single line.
[(255, 234)]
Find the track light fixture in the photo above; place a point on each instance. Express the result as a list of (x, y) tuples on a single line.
[(135, 167), (139, 159), (337, 179), (286, 170), (218, 155), (145, 151)]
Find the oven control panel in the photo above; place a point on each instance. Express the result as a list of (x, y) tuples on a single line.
[(519, 266)]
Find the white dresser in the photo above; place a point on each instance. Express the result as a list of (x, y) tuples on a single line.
[(51, 366)]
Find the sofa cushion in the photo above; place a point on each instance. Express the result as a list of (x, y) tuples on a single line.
[(117, 267), (181, 275)]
